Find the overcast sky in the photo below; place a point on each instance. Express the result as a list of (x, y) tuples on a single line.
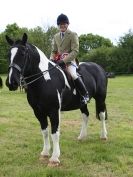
[(108, 18)]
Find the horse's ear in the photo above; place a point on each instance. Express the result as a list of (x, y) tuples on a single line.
[(10, 41), (24, 38)]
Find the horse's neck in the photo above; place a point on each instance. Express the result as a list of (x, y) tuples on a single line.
[(43, 63), (43, 58)]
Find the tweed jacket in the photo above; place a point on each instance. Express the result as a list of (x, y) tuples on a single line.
[(69, 44)]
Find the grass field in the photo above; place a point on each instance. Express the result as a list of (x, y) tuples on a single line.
[(21, 139)]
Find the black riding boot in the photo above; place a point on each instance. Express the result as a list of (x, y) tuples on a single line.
[(82, 90)]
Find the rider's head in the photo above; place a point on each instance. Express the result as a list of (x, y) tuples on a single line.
[(62, 22), (62, 18)]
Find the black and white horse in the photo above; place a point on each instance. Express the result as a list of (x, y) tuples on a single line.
[(49, 91)]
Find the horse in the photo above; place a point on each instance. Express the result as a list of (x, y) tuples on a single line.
[(49, 91), (1, 83)]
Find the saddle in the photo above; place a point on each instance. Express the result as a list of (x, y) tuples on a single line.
[(58, 57)]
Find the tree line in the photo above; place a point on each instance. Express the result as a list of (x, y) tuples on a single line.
[(113, 58)]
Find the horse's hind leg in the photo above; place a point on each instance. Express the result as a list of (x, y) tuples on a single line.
[(85, 115), (102, 115), (103, 135)]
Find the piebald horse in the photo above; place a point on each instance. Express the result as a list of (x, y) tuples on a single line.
[(49, 92)]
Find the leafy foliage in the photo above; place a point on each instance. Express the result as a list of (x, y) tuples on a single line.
[(113, 58), (90, 41)]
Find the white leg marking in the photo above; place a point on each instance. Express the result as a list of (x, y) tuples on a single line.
[(55, 139), (103, 126), (83, 132), (56, 148), (46, 147)]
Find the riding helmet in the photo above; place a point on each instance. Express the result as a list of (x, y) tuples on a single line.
[(62, 18)]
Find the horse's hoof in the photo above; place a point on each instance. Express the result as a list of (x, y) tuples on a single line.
[(43, 158), (53, 164), (81, 138), (104, 139)]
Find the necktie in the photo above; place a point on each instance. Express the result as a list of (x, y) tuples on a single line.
[(62, 35)]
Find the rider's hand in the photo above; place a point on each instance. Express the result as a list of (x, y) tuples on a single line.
[(61, 63), (53, 60)]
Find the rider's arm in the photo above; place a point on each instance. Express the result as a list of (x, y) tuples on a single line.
[(74, 48)]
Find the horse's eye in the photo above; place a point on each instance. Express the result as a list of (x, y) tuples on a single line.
[(22, 53)]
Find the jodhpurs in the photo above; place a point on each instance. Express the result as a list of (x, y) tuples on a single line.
[(72, 70)]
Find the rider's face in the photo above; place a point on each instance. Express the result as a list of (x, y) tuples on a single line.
[(63, 27)]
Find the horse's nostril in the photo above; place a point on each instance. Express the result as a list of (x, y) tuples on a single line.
[(13, 82)]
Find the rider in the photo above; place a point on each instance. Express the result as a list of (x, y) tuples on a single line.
[(65, 48)]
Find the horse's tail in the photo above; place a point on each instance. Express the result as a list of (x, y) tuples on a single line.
[(1, 83)]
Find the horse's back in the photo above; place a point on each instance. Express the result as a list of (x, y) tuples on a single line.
[(94, 77), (92, 69)]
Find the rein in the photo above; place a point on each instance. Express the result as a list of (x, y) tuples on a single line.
[(22, 80)]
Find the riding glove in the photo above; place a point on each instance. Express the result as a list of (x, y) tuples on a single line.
[(61, 63)]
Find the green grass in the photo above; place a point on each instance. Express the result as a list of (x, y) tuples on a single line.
[(21, 140)]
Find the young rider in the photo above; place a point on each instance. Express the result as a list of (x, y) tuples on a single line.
[(65, 48)]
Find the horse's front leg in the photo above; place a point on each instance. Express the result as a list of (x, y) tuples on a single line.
[(44, 127), (46, 145)]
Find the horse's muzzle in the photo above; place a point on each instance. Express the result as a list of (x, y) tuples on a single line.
[(12, 86)]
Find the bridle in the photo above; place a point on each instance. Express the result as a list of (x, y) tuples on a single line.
[(23, 79), (16, 66)]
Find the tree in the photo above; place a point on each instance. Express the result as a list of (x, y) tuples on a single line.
[(51, 31), (3, 54), (126, 45), (126, 41), (42, 39), (14, 31), (90, 41)]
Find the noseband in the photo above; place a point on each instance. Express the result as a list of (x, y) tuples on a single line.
[(13, 65)]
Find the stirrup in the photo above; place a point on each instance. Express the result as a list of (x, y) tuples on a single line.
[(85, 100)]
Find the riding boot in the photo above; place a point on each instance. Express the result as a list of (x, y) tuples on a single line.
[(82, 90)]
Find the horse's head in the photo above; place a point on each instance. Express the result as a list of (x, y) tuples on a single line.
[(18, 55)]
